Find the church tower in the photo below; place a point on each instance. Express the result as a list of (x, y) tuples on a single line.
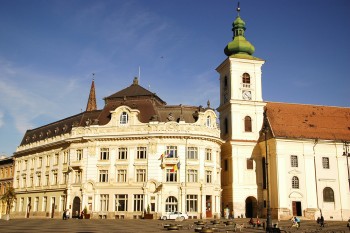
[(91, 104), (241, 117)]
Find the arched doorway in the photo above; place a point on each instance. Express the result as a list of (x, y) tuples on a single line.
[(251, 207), (76, 207)]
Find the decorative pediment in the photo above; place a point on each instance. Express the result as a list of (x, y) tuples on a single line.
[(295, 195), (294, 172)]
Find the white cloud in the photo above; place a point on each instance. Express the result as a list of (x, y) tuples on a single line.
[(26, 95)]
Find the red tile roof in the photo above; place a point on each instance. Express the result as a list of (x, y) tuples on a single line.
[(309, 121)]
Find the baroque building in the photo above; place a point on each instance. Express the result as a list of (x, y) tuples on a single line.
[(6, 179), (136, 154), (293, 155)]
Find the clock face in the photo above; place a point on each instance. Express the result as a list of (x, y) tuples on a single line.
[(247, 95)]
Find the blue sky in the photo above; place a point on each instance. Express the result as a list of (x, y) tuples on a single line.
[(49, 50)]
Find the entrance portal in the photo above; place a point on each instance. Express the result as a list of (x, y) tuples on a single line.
[(296, 205), (208, 207), (251, 207), (76, 207)]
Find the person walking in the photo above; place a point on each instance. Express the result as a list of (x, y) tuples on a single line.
[(68, 214), (321, 221)]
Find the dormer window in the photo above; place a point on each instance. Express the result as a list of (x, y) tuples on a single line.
[(246, 80), (208, 121), (123, 118)]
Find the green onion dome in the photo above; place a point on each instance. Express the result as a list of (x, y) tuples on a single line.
[(239, 45)]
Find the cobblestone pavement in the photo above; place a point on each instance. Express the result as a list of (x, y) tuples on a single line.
[(148, 226)]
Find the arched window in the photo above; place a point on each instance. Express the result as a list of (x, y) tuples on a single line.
[(295, 182), (225, 82), (328, 194), (247, 124), (171, 204), (246, 80), (124, 118), (208, 121)]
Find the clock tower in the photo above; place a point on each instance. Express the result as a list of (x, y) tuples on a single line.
[(241, 117)]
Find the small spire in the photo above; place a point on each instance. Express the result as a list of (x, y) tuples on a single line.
[(135, 81), (238, 9), (91, 105)]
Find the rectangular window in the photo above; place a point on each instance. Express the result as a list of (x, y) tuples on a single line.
[(191, 203), (54, 178), (104, 200), (104, 154), (208, 177), (103, 177), (36, 204), (38, 179), (226, 165), (79, 155), (192, 175), (48, 161), (56, 158), (21, 204), (65, 157), (121, 202), (325, 162), (44, 204), (140, 175), (208, 154), (46, 180), (78, 175), (250, 164), (64, 177), (62, 203), (171, 152), (40, 162), (192, 153), (294, 161), (24, 184), (141, 153), (121, 176), (123, 153), (138, 202), (31, 181), (171, 175)]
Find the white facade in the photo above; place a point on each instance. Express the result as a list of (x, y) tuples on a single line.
[(116, 170)]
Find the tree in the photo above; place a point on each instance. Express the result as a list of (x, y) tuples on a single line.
[(8, 198)]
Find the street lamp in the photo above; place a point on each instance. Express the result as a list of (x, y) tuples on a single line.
[(347, 154), (266, 129)]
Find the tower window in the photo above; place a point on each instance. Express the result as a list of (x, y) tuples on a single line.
[(247, 124), (225, 82), (295, 182), (226, 126), (294, 160), (246, 80)]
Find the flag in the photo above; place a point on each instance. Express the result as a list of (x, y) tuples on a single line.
[(178, 165), (174, 169), (162, 156)]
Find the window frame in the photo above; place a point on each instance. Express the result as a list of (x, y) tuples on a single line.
[(124, 118), (248, 124), (192, 153), (294, 161), (104, 153), (325, 163), (295, 182)]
